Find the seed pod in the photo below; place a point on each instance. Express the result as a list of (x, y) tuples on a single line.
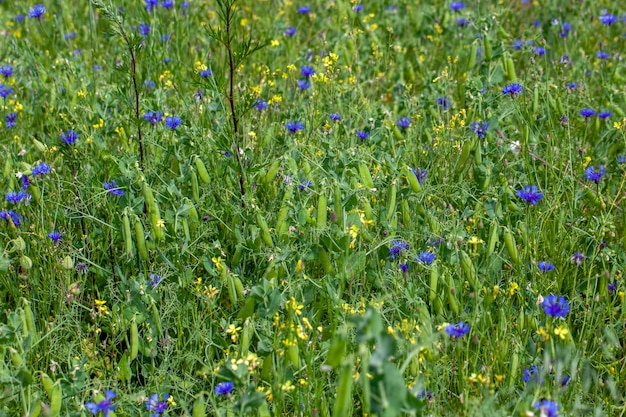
[(559, 106), (412, 179), (366, 177), (293, 354), (128, 240), (193, 213), (148, 196), (322, 204), (324, 259), (452, 301), (195, 189), (134, 340), (406, 213), (47, 383), (140, 237), (511, 247), (185, 224), (7, 168), (39, 146), (467, 266), (513, 370), (246, 336), (67, 263), (271, 172), (238, 286), (367, 208), (157, 224), (434, 277), (35, 410), (29, 318), (35, 192), (25, 262), (472, 58), (338, 205), (343, 398), (157, 319), (397, 134), (487, 45), (465, 154), (265, 232), (478, 154), (266, 367), (391, 202), (56, 400), (493, 238), (203, 174), (199, 407), (510, 69)]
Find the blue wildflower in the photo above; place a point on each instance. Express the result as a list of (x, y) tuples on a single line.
[(206, 73), (545, 266), (539, 50), (455, 6), (363, 134), (154, 281), (18, 197), (513, 89), (151, 5), (103, 406), (398, 246), (305, 186), (595, 175), (548, 408), (290, 31), (518, 44), (404, 267), (149, 84), (304, 84), (261, 105), (307, 71), (605, 114), (457, 330), (144, 29), (36, 12), (611, 287), (608, 19), (530, 194), (461, 21), (167, 4), (621, 159), (335, 117), (426, 258), (404, 122), (25, 182), (40, 169), (111, 188), (294, 126), (532, 374), (420, 174), (555, 306), (578, 258), (157, 407), (69, 36), (480, 128), (10, 120), (5, 91), (443, 102), (11, 216), (172, 122), (224, 388), (357, 8), (304, 9), (55, 236), (153, 117), (602, 55), (70, 137), (6, 71)]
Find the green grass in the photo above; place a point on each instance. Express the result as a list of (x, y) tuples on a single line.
[(292, 291)]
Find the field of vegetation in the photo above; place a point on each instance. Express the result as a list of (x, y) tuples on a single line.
[(312, 208)]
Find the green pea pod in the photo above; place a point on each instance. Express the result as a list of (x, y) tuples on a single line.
[(391, 202), (406, 213), (322, 204), (366, 177), (343, 399), (324, 260), (140, 237), (367, 208), (511, 247), (56, 400), (434, 278), (199, 407), (157, 224), (412, 179), (134, 340), (148, 196), (29, 318), (157, 319), (469, 270), (493, 238), (453, 303), (195, 189), (265, 232), (203, 174), (338, 204), (465, 154), (487, 45), (246, 335), (272, 172), (472, 58), (47, 383), (510, 69), (397, 134), (514, 367), (293, 354), (127, 235)]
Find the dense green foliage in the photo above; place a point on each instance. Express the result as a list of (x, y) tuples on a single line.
[(277, 208)]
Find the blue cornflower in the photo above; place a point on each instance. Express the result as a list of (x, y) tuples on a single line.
[(572, 85), (608, 19), (55, 236), (404, 267), (398, 246), (566, 28), (545, 266), (611, 287), (335, 117), (111, 188), (480, 128), (605, 114), (532, 374), (307, 72), (555, 306), (530, 194), (290, 31), (18, 197), (157, 407), (548, 408), (595, 175), (602, 55), (172, 122), (224, 388), (166, 37), (420, 174), (70, 137), (621, 159), (357, 8), (10, 120), (304, 9), (513, 89), (443, 102), (144, 29), (167, 4), (261, 105), (153, 117), (6, 71), (5, 91), (25, 182), (11, 216), (184, 5), (457, 330), (36, 12), (19, 17), (578, 258), (151, 4), (154, 281), (518, 44), (304, 84), (404, 122), (104, 406), (70, 36), (426, 258), (206, 73), (166, 61), (149, 84), (461, 21), (564, 59), (40, 169), (294, 126), (455, 6), (539, 50), (305, 186), (363, 134)]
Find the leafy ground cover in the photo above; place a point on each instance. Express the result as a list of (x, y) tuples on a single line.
[(282, 208)]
